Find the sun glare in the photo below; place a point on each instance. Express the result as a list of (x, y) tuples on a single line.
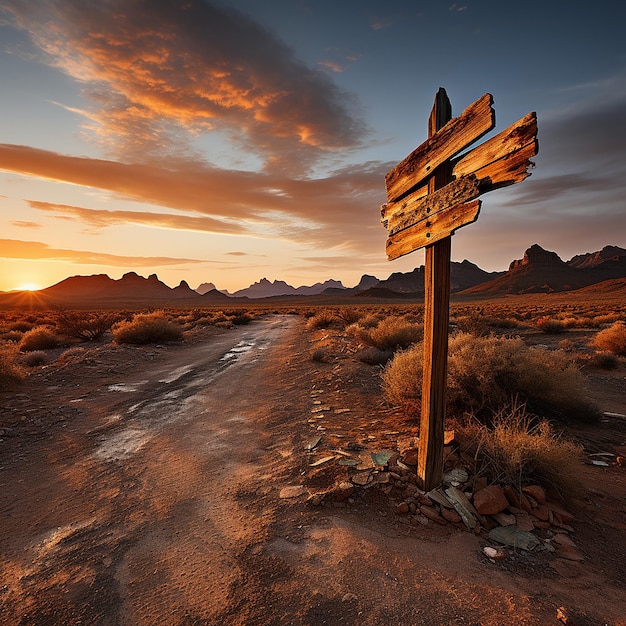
[(29, 287)]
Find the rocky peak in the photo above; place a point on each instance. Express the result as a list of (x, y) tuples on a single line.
[(537, 256)]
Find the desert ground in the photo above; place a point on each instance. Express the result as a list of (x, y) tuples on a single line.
[(196, 482)]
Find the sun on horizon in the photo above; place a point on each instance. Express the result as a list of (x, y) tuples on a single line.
[(29, 287)]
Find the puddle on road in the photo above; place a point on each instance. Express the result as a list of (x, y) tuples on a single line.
[(236, 351), (125, 387), (123, 444), (176, 374)]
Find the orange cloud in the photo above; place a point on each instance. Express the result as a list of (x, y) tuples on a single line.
[(103, 218), (338, 211), (35, 250), (155, 70)]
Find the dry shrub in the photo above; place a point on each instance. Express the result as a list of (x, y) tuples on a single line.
[(11, 373), (605, 361), (392, 333), (474, 324), (374, 356), (147, 328), (550, 326), (518, 449), (33, 359), (349, 315), (21, 326), (85, 325), (486, 374), (241, 319), (73, 355), (612, 339), (38, 338), (322, 319), (319, 355)]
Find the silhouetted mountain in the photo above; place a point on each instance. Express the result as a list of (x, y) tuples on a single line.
[(214, 295), (462, 276), (542, 271), (205, 288), (266, 289)]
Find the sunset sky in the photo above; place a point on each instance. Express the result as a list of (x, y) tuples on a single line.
[(230, 141)]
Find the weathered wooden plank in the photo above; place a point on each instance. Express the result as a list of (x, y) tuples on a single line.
[(388, 210), (432, 229), (456, 135), (505, 158), (458, 191)]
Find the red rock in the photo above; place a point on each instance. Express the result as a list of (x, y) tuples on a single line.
[(523, 522), (432, 514), (402, 508), (542, 512), (409, 456), (490, 500), (561, 516), (525, 504), (512, 496), (504, 519), (537, 492), (450, 515), (539, 524)]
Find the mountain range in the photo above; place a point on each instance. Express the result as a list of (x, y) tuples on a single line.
[(538, 271)]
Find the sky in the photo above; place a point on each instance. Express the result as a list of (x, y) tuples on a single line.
[(229, 141)]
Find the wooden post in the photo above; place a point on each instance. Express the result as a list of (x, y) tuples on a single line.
[(430, 194), (436, 319)]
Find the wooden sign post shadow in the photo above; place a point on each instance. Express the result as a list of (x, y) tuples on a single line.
[(430, 194)]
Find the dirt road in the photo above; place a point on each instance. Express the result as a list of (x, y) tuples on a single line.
[(158, 496)]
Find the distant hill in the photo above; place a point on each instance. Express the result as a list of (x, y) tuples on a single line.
[(462, 276), (266, 289), (205, 288), (538, 271), (542, 271)]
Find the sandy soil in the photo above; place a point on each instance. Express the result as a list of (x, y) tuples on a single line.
[(170, 485)]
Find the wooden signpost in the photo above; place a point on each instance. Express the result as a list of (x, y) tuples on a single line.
[(430, 194)]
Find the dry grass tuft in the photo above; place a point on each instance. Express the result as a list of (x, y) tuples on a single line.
[(520, 450), (11, 373), (612, 339), (551, 326), (486, 374), (38, 338), (85, 325), (147, 328), (322, 319), (391, 333)]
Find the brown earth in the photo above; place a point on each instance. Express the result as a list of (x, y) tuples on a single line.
[(171, 485)]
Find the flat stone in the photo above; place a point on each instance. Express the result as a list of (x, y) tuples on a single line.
[(535, 491), (343, 491), (512, 496), (402, 508), (511, 536), (504, 519), (455, 477), (450, 515), (293, 491), (409, 456), (524, 522), (497, 554), (432, 514), (490, 500), (560, 515), (542, 512)]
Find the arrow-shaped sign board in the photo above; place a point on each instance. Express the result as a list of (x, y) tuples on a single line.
[(413, 217)]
